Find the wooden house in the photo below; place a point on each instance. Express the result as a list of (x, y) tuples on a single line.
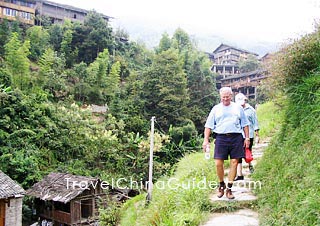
[(66, 199), (11, 195), (225, 65), (23, 11), (29, 11), (225, 59), (245, 83), (59, 12)]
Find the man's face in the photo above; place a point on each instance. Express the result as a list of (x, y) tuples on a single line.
[(225, 98)]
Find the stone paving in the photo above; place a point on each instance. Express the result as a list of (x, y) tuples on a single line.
[(242, 191)]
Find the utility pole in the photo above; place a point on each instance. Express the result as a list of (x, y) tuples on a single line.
[(150, 184)]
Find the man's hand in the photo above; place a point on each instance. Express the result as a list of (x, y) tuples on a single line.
[(204, 145), (246, 143)]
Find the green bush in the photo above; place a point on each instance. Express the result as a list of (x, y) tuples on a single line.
[(289, 169)]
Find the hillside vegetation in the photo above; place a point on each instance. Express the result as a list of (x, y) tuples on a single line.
[(183, 200), (52, 75), (52, 78), (289, 169), (191, 205)]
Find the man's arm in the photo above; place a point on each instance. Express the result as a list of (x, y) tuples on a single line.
[(246, 135), (207, 132)]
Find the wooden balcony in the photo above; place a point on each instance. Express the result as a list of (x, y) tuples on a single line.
[(57, 215)]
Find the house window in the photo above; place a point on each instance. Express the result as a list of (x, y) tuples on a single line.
[(23, 3), (26, 15), (86, 208), (75, 16), (10, 12), (30, 4)]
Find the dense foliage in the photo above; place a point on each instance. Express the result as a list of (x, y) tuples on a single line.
[(51, 76), (290, 168)]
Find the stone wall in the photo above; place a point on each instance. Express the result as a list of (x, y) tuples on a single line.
[(14, 212)]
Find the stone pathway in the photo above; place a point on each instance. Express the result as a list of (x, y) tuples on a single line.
[(239, 218), (242, 191)]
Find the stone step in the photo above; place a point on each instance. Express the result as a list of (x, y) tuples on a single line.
[(242, 217)]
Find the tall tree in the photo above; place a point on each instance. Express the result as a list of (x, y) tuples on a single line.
[(164, 44), (97, 77), (4, 34), (92, 37), (51, 76), (16, 60), (56, 34), (113, 82), (39, 41), (165, 90), (66, 44), (181, 40), (202, 90)]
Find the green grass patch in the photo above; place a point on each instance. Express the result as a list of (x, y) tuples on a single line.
[(270, 117), (182, 199), (290, 166), (289, 172)]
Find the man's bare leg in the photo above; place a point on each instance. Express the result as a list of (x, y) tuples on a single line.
[(233, 170), (231, 176), (220, 169), (220, 174)]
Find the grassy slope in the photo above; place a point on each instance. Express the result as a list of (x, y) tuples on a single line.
[(269, 117), (289, 171), (189, 206), (186, 205)]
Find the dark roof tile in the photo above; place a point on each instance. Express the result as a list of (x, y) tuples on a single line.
[(9, 188)]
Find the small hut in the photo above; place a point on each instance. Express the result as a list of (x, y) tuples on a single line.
[(66, 199), (11, 195)]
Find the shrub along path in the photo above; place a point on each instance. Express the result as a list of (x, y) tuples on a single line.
[(241, 210)]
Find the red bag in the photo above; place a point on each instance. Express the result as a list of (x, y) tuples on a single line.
[(248, 155)]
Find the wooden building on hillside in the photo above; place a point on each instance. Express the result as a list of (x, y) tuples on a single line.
[(245, 83), (59, 12), (31, 11), (225, 65), (11, 196), (23, 11), (66, 199)]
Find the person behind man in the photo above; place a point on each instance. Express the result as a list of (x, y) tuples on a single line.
[(251, 114), (227, 120)]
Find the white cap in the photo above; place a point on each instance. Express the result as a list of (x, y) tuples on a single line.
[(240, 98)]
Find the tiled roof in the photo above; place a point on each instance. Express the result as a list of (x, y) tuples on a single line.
[(9, 188), (98, 109), (223, 47), (72, 8), (61, 187), (243, 75)]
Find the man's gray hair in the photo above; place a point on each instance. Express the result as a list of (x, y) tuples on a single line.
[(225, 89)]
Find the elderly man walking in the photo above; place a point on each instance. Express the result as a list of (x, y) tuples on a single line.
[(227, 120)]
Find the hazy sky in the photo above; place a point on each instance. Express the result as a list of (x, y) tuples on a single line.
[(260, 20)]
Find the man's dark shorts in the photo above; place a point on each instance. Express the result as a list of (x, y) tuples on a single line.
[(229, 145)]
